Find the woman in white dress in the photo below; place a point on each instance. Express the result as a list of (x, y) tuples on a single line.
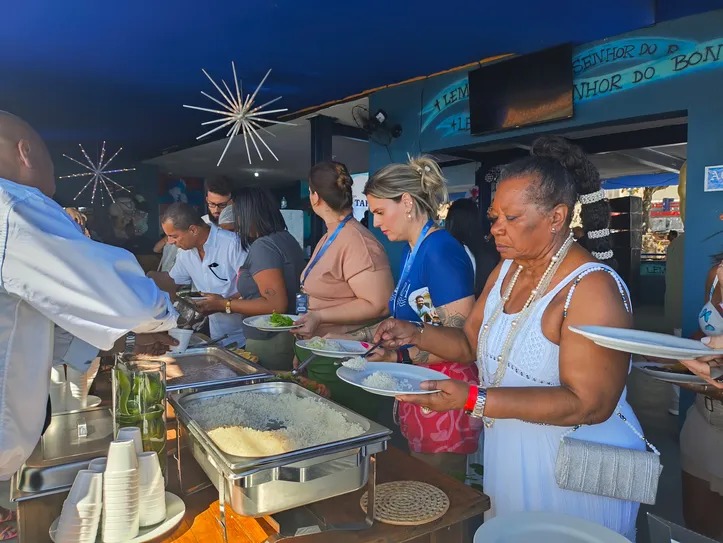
[(540, 379)]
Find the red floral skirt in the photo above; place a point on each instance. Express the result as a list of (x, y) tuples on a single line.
[(450, 432)]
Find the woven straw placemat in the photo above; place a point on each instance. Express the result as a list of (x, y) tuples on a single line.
[(407, 503)]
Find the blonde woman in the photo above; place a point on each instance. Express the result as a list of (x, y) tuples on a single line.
[(436, 287)]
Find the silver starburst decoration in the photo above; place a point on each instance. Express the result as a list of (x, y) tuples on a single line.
[(98, 173), (240, 114)]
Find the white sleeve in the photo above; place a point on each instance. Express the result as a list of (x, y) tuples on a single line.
[(73, 351), (96, 292), (179, 273)]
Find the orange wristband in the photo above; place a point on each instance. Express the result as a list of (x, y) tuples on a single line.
[(471, 398)]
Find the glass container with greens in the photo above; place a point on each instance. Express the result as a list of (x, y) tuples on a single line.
[(139, 399)]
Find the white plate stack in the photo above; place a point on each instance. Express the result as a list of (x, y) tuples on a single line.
[(79, 519), (121, 500), (152, 490)]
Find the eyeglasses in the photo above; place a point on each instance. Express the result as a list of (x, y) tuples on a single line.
[(220, 206)]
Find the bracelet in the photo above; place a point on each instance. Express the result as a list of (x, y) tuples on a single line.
[(471, 398)]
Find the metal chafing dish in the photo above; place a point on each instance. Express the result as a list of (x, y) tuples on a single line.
[(202, 368), (71, 441), (257, 487)]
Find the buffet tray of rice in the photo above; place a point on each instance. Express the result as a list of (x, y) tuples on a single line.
[(276, 445)]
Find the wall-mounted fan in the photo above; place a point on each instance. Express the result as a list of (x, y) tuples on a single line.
[(376, 126)]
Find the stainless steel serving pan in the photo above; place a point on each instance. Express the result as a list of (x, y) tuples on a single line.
[(61, 453), (202, 368), (258, 486)]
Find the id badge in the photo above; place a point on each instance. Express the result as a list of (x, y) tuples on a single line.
[(302, 303)]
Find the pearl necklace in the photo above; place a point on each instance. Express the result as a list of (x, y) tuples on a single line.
[(535, 295)]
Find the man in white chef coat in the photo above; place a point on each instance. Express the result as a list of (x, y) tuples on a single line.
[(51, 274), (210, 258)]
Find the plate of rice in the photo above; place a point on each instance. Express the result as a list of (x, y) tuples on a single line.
[(390, 378), (273, 323), (334, 348)]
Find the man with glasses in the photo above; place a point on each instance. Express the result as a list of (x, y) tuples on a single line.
[(219, 191)]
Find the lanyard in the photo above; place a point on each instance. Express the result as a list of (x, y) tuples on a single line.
[(324, 247), (408, 266)]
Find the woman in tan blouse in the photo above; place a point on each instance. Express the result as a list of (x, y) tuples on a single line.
[(350, 285)]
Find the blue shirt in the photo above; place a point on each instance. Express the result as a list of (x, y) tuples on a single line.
[(441, 274)]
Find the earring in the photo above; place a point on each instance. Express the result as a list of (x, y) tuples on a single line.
[(553, 229), (409, 216)]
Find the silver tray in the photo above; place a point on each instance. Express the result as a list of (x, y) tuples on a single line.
[(61, 453), (259, 486), (201, 368)]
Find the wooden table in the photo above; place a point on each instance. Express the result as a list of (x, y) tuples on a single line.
[(201, 525)]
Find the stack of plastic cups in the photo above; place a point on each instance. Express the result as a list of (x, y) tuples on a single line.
[(78, 384), (134, 434), (79, 519), (152, 490), (98, 465), (121, 500)]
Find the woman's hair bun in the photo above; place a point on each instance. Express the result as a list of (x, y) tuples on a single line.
[(430, 174), (572, 158), (331, 180), (343, 178)]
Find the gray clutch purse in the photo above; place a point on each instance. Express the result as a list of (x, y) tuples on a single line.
[(607, 470)]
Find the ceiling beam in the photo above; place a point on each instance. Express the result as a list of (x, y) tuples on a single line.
[(654, 159), (349, 132)]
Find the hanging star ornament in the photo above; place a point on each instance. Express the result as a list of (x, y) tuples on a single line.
[(240, 114), (98, 174)]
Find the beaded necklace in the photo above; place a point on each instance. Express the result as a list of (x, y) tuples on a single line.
[(516, 325)]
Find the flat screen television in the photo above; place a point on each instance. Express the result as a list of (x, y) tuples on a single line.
[(522, 91)]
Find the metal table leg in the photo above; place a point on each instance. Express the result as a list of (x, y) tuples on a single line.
[(222, 505)]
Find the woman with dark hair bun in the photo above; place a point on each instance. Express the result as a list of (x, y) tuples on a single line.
[(347, 282), (539, 381)]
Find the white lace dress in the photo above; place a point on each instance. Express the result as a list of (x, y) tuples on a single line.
[(519, 457)]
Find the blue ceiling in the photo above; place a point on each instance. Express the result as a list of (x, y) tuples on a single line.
[(82, 71)]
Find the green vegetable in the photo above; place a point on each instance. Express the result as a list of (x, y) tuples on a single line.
[(125, 389), (280, 320)]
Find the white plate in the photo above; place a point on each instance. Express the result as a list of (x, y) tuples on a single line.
[(261, 322), (667, 376), (543, 527), (175, 509), (414, 374), (349, 348), (645, 343)]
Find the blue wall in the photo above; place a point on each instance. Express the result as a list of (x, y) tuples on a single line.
[(680, 69)]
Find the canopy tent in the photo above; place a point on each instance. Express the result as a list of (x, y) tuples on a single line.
[(86, 71), (641, 181)]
